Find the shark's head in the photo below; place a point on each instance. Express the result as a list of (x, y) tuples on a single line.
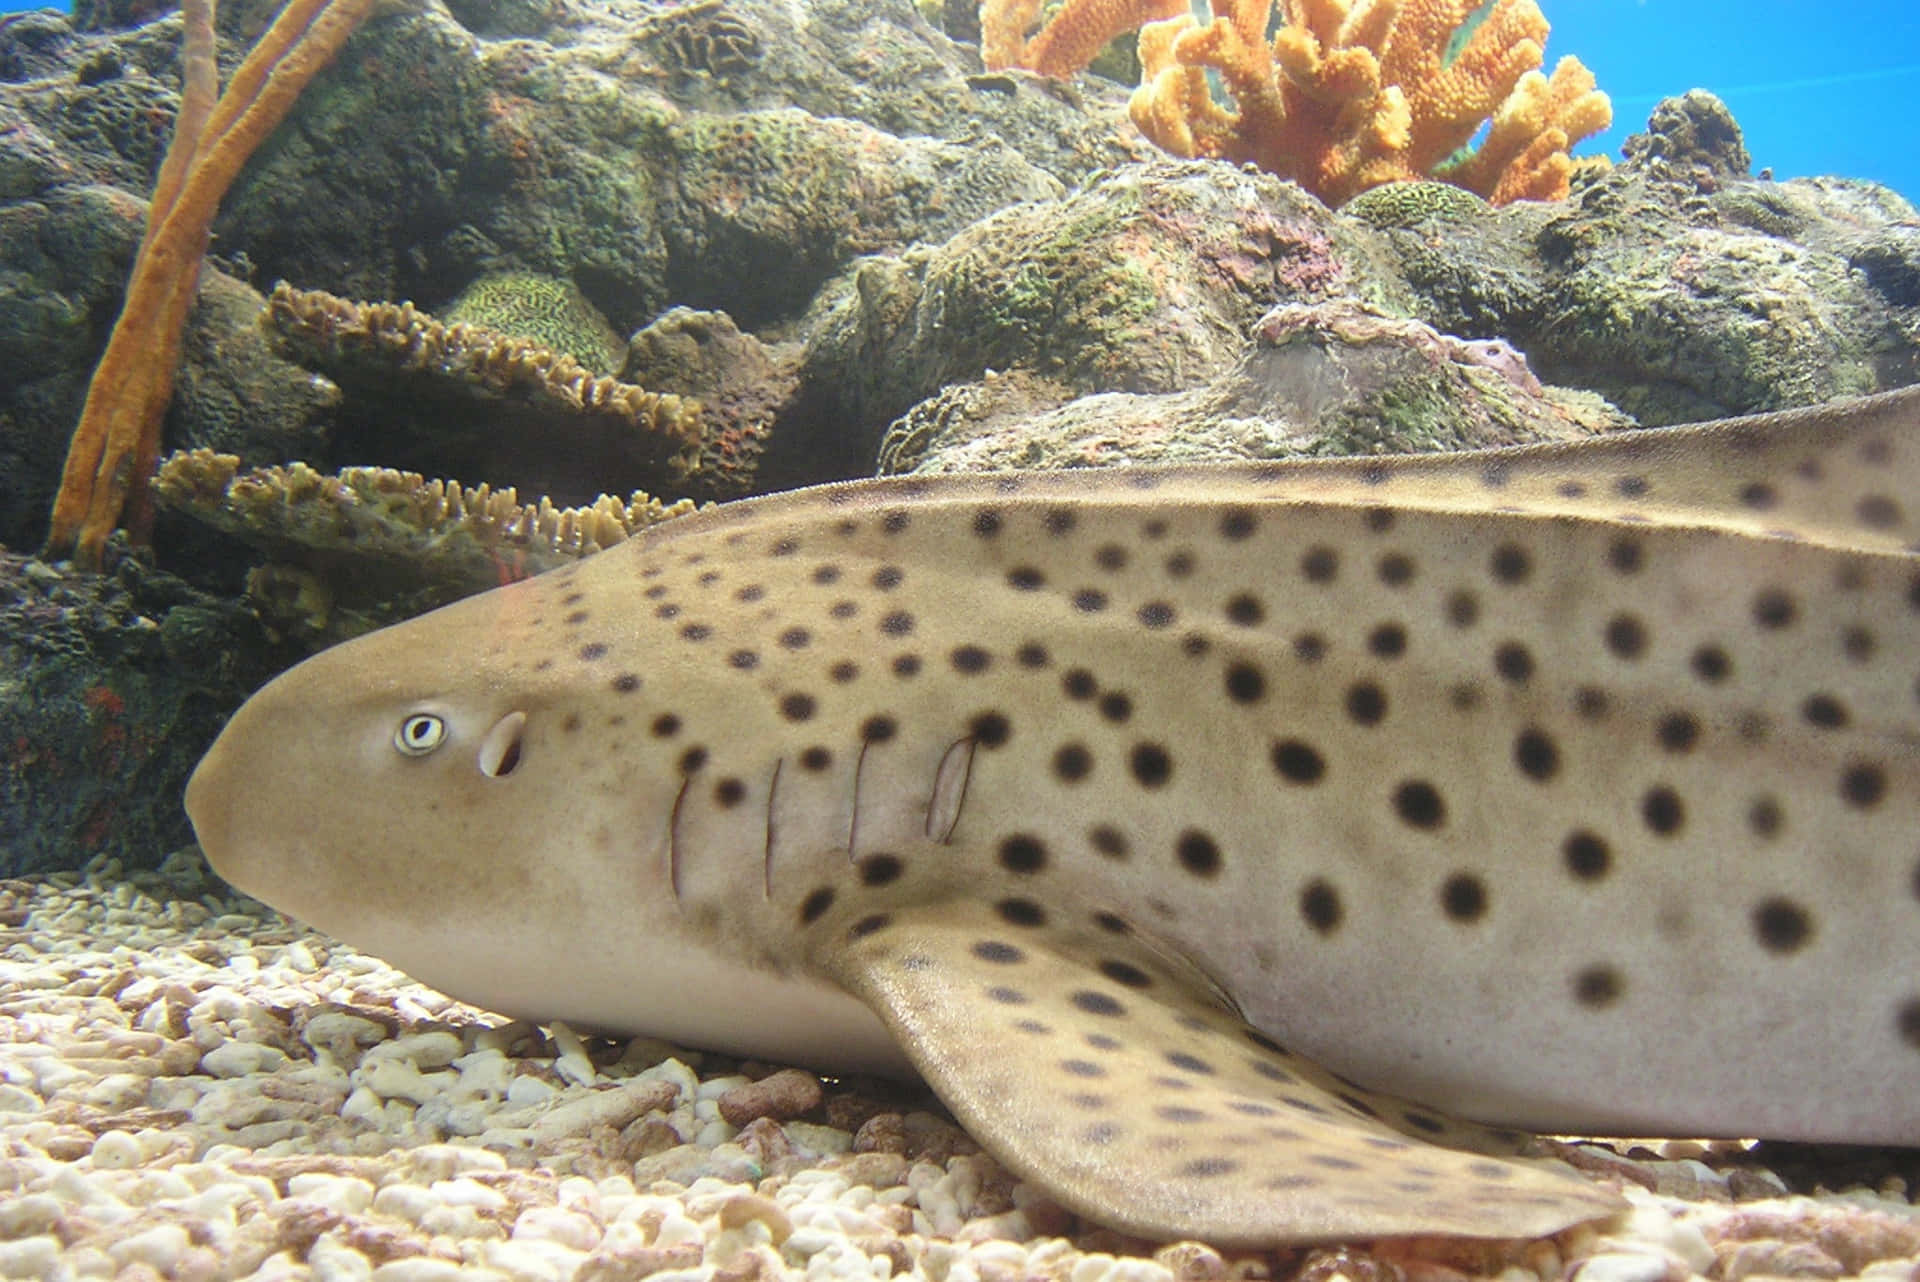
[(373, 775), (450, 795)]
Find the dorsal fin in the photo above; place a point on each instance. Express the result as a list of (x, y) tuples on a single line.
[(1846, 474), (1843, 475)]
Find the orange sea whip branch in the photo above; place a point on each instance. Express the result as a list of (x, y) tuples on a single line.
[(115, 445)]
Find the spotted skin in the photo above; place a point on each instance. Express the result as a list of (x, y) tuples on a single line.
[(1566, 788)]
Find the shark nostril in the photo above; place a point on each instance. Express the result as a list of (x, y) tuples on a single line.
[(500, 750)]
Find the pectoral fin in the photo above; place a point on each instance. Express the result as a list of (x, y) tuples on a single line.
[(1095, 1067)]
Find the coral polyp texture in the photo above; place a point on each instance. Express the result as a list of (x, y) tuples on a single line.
[(464, 537), (1345, 95), (546, 310)]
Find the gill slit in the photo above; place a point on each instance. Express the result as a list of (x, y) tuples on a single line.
[(853, 820), (949, 794), (673, 839), (766, 862)]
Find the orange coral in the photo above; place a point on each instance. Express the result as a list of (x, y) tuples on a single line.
[(1070, 39), (1349, 94), (117, 442)]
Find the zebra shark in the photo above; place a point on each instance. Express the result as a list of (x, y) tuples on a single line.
[(1246, 852)]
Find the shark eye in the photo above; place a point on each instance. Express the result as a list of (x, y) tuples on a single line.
[(419, 734)]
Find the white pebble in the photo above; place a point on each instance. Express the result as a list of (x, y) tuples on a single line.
[(1139, 1271), (444, 1161), (340, 1034), (460, 1223), (339, 1193), (117, 1092), (116, 1151), (531, 1260), (1010, 1256), (671, 1070), (714, 1087), (577, 1192), (811, 1186), (1890, 1271), (614, 1108), (819, 1140), (677, 1228), (808, 1241), (362, 1106), (552, 1224), (51, 1074), (176, 1092), (28, 1214), (572, 1062), (419, 1268), (469, 1193), (399, 1079), (31, 1257), (434, 1049), (407, 1202), (838, 1261), (471, 1119), (1623, 1266), (713, 1134), (80, 1188), (527, 1090), (241, 1059), (333, 1261), (484, 1072), (17, 1099), (159, 1247), (1649, 1224), (233, 1103)]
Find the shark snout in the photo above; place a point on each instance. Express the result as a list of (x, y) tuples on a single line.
[(209, 801)]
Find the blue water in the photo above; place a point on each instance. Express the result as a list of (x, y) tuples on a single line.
[(1818, 88)]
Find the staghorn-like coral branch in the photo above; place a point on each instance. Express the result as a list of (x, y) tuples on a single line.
[(1350, 94), (117, 440)]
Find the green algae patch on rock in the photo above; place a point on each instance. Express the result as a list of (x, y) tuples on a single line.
[(1675, 284), (1145, 281), (1316, 379), (769, 204)]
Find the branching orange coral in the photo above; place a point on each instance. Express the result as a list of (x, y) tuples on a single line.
[(1070, 39), (117, 442), (1349, 94)]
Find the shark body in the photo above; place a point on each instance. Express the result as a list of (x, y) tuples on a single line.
[(1239, 851)]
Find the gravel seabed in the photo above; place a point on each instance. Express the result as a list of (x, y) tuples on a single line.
[(195, 1088)]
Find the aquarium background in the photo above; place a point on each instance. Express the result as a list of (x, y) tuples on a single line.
[(1814, 95)]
